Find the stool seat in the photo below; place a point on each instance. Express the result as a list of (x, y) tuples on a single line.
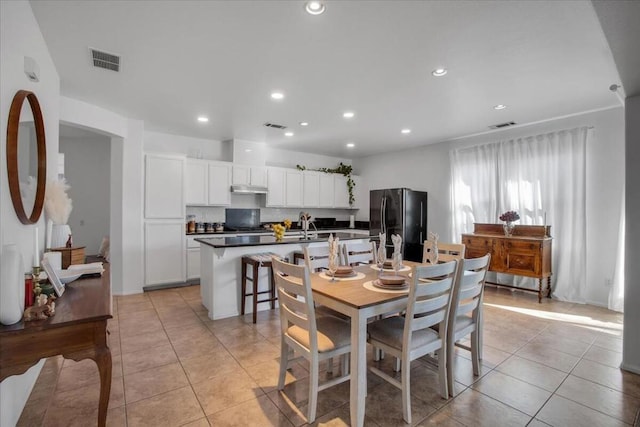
[(257, 260)]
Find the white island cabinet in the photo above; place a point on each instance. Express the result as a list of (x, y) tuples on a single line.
[(220, 267)]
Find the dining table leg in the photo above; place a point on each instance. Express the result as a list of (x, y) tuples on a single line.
[(358, 368)]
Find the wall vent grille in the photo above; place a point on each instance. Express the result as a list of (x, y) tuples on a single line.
[(275, 126), (107, 61), (502, 125)]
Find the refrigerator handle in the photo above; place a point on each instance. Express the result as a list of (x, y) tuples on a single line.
[(421, 226), (384, 215)]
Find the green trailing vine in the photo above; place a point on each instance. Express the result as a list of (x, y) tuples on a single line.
[(342, 169)]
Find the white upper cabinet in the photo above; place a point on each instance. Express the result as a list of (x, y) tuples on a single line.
[(258, 176), (164, 186), (241, 175), (249, 175), (293, 188), (327, 186), (275, 187), (219, 184), (311, 189), (196, 191), (341, 192)]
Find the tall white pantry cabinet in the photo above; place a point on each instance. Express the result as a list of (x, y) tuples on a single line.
[(164, 212)]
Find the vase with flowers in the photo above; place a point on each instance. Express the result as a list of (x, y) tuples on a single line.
[(57, 206), (509, 218)]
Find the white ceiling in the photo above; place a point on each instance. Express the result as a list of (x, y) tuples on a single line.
[(181, 59)]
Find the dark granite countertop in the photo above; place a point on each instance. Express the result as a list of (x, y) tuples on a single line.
[(230, 242)]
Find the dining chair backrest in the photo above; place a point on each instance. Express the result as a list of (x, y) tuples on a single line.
[(295, 299), (468, 292), (446, 251), (316, 257), (429, 301), (359, 253)]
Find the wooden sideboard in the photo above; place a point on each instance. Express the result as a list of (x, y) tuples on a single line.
[(77, 331), (527, 252)]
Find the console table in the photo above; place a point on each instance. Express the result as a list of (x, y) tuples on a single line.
[(77, 331), (527, 252)]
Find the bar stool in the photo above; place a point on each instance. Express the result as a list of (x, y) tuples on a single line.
[(298, 256), (256, 261)]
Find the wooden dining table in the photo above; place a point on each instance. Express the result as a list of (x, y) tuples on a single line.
[(351, 298)]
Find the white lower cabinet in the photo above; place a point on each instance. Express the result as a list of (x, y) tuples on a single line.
[(164, 252), (193, 263)]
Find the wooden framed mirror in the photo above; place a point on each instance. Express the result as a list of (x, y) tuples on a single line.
[(26, 157)]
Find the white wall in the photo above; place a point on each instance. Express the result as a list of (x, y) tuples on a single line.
[(631, 343), (20, 36), (87, 170), (428, 169), (210, 149)]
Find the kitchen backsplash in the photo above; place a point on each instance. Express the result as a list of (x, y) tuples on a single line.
[(216, 214)]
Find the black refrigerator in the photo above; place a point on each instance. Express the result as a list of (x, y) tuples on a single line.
[(400, 211)]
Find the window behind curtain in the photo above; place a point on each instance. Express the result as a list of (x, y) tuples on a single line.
[(533, 176)]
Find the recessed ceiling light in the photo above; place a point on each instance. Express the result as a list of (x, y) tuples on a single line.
[(304, 123), (203, 119), (348, 114), (288, 134), (277, 95), (314, 7), (499, 107), (439, 72), (248, 150), (405, 131), (350, 145)]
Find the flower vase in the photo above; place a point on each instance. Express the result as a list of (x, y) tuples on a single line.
[(508, 227)]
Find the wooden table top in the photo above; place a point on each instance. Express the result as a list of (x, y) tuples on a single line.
[(84, 300), (352, 293)]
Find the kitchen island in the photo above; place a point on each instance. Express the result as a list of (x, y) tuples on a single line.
[(220, 266)]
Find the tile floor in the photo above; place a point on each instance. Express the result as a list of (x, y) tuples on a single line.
[(544, 364)]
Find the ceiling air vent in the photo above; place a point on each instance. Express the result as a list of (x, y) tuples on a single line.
[(502, 125), (275, 126), (105, 60)]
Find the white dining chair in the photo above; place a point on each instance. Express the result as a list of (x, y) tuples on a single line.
[(316, 257), (358, 253), (316, 338), (446, 251), (410, 337), (465, 316)]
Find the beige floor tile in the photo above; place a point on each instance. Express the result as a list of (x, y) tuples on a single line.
[(612, 343), (148, 358), (533, 373), (518, 394), (266, 374), (174, 408), (135, 327), (537, 423), (473, 408), (188, 333), (148, 341), (491, 357), (202, 422), (134, 306), (254, 353), (463, 371), (186, 349), (611, 402), (559, 411), (79, 406), (242, 335), (258, 412), (151, 382), (565, 345), (507, 343), (440, 419), (548, 356), (604, 356), (77, 374), (614, 378), (117, 417), (293, 400), (142, 315), (213, 364), (181, 321), (340, 417), (225, 391)]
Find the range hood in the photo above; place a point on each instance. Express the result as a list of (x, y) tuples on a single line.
[(248, 189)]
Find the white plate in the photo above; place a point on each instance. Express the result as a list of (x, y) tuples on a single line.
[(67, 276)]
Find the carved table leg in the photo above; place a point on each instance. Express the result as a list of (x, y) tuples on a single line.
[(539, 291), (103, 360), (549, 287)]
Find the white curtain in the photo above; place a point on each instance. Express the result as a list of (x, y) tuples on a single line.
[(616, 295), (538, 175)]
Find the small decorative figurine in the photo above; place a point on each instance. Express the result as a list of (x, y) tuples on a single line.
[(69, 242), (44, 307)]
